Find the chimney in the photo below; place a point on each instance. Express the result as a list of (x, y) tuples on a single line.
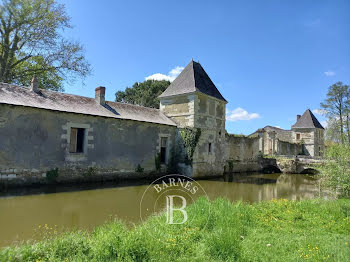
[(34, 85), (298, 116), (100, 95)]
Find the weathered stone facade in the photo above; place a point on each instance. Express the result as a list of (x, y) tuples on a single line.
[(89, 139), (38, 141)]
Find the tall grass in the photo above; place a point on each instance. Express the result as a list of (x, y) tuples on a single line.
[(278, 230)]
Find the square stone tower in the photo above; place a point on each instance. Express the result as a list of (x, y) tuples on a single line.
[(192, 100), (308, 131)]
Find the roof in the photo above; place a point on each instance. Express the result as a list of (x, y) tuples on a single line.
[(269, 128), (192, 78), (50, 100), (307, 120)]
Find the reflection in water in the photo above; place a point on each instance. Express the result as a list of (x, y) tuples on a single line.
[(21, 215)]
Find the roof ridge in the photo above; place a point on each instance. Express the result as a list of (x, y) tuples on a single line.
[(58, 101), (68, 94)]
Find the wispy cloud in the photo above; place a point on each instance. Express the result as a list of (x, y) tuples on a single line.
[(324, 123), (329, 73), (239, 114), (313, 22), (319, 111), (170, 76)]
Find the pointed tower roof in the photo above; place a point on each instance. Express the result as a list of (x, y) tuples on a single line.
[(192, 78), (307, 120)]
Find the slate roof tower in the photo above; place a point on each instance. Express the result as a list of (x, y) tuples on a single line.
[(307, 120), (193, 79), (192, 100), (309, 131)]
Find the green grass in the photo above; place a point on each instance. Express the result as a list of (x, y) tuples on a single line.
[(278, 230)]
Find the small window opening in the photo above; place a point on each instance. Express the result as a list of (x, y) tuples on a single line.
[(77, 140), (163, 150), (220, 133), (319, 151), (209, 148), (298, 136)]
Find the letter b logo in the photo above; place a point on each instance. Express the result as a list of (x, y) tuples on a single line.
[(170, 209)]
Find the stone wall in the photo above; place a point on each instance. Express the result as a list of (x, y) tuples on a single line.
[(242, 154), (207, 113), (289, 149), (35, 141), (209, 157), (180, 109)]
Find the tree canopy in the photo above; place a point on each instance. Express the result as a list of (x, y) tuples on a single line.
[(337, 106), (32, 43), (143, 93)]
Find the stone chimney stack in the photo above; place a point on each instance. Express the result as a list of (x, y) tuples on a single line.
[(100, 95), (298, 116), (34, 84)]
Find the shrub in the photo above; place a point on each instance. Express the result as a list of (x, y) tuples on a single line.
[(335, 172), (52, 174), (90, 171), (139, 169)]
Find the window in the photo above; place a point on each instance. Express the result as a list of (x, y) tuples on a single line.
[(319, 151), (209, 148), (77, 136), (163, 150), (298, 136)]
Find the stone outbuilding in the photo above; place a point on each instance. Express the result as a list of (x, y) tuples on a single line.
[(80, 138)]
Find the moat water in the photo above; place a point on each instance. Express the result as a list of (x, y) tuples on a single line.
[(37, 212)]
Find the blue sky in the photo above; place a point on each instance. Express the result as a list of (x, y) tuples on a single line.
[(270, 59)]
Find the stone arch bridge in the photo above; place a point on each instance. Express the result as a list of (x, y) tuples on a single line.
[(292, 165)]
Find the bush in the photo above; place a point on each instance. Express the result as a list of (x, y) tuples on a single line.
[(335, 172), (139, 169), (52, 174)]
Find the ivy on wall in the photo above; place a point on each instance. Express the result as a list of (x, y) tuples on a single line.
[(190, 137)]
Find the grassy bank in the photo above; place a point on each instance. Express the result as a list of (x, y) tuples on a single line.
[(281, 230)]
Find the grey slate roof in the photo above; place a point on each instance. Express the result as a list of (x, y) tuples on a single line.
[(307, 120), (193, 78), (50, 100)]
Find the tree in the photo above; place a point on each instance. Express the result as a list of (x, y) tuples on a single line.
[(32, 44), (332, 134), (335, 172), (143, 93), (347, 113), (336, 104)]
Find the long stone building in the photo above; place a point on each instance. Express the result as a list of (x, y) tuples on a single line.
[(86, 139)]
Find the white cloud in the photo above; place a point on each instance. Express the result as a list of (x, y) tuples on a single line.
[(239, 114), (319, 111), (329, 73), (170, 76), (278, 126)]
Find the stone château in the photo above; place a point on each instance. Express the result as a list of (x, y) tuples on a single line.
[(89, 139)]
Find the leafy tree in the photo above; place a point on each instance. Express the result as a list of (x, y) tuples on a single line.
[(143, 93), (335, 172), (336, 105), (32, 44), (332, 134)]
